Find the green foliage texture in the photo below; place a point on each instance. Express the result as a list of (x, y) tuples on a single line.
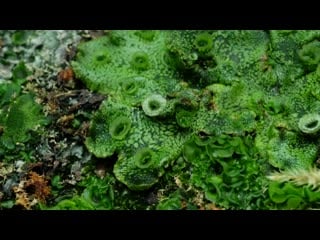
[(234, 104)]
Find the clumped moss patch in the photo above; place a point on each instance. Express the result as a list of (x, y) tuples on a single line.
[(157, 119)]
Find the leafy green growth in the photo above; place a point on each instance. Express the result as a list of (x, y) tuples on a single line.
[(97, 195), (140, 61), (75, 203), (23, 115), (185, 118), (286, 150), (287, 52), (119, 127), (10, 90), (288, 196), (309, 123), (147, 35), (310, 55), (144, 158), (234, 104), (190, 54), (19, 37), (173, 202), (227, 170), (154, 105), (19, 116), (7, 204), (20, 72), (124, 55), (162, 138), (203, 42), (55, 182)]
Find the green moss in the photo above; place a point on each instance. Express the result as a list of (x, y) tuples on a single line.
[(144, 158), (185, 118), (124, 55), (75, 203), (19, 37), (228, 172), (8, 92), (117, 39), (140, 61), (233, 103), (190, 53), (98, 194), (20, 72), (147, 35), (309, 123), (106, 134), (203, 42), (130, 86), (139, 172), (310, 54), (23, 116), (162, 138), (154, 105), (291, 151), (288, 196), (191, 151), (236, 53), (119, 127), (287, 50), (173, 202)]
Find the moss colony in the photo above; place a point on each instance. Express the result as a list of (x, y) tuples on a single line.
[(189, 120)]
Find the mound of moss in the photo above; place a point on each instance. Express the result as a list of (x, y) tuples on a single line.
[(20, 113), (234, 104)]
